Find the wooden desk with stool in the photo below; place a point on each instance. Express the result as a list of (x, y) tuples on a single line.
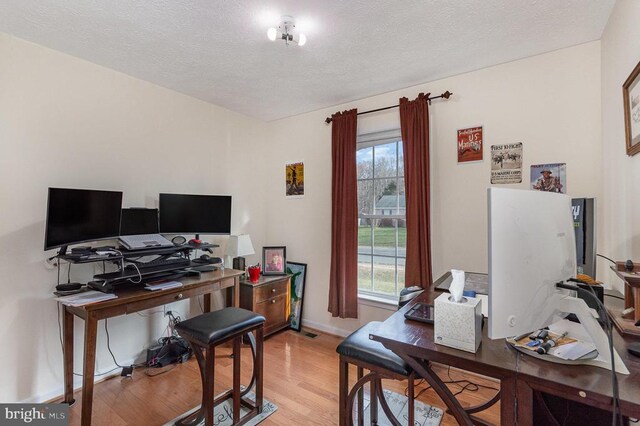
[(520, 375), (129, 301)]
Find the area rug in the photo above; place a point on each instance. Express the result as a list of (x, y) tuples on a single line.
[(223, 413), (425, 415)]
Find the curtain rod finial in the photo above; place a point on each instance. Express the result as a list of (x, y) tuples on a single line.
[(328, 120)]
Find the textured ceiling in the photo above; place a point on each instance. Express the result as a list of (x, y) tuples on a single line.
[(218, 51)]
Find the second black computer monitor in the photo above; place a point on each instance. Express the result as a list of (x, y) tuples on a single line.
[(195, 214)]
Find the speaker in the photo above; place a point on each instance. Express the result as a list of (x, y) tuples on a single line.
[(238, 263)]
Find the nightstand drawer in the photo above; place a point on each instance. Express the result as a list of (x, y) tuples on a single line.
[(274, 310), (270, 291)]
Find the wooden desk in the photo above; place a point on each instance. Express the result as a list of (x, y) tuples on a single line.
[(519, 374), (413, 341), (130, 301)]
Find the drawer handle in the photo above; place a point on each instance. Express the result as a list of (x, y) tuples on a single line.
[(273, 290), (273, 301), (179, 296)]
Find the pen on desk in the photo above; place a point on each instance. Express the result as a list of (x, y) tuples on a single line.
[(545, 347)]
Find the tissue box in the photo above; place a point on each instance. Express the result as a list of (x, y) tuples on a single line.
[(458, 325)]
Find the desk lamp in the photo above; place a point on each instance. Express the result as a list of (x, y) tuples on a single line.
[(237, 247)]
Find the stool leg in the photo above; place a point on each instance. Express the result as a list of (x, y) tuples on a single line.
[(258, 368), (411, 398), (373, 405), (210, 360), (343, 390), (236, 379), (360, 400)]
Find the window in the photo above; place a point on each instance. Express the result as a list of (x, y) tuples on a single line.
[(381, 214)]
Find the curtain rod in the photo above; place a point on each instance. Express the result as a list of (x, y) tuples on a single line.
[(445, 95)]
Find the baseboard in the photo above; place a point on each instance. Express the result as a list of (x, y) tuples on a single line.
[(325, 328), (56, 394)]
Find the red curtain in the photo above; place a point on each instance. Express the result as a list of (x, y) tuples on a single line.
[(343, 276), (414, 124)]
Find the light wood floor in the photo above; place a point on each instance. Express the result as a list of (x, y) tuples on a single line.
[(301, 378)]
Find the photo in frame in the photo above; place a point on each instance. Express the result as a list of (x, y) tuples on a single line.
[(631, 97), (294, 179), (298, 272), (274, 260)]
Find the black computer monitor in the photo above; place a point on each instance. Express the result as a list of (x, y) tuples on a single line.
[(139, 221), (79, 215), (195, 214)]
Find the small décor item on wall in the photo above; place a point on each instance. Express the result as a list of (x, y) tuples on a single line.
[(506, 163), (294, 179), (549, 177), (298, 273), (631, 95), (470, 144), (274, 260)]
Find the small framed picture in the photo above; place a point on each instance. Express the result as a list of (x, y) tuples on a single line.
[(274, 260), (631, 96)]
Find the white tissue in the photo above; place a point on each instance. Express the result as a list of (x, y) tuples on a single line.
[(457, 285)]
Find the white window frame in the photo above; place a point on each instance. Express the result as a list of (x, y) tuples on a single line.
[(366, 141)]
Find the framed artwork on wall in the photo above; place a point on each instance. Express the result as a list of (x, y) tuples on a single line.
[(274, 260), (298, 273), (631, 97)]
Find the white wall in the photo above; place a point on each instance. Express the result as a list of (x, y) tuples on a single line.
[(621, 202), (69, 123), (550, 102)]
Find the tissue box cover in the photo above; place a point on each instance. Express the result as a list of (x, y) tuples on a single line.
[(458, 325)]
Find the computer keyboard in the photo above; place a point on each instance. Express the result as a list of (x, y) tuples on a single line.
[(162, 261)]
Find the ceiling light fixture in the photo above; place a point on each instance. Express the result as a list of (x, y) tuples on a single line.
[(285, 32)]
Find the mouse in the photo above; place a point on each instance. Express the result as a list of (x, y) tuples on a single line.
[(205, 257)]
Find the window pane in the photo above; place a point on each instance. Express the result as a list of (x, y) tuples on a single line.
[(384, 237), (402, 238), (364, 273), (400, 159), (386, 196), (401, 263), (384, 275), (364, 163), (386, 162), (365, 197), (364, 237)]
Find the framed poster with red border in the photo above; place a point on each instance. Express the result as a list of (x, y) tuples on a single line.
[(470, 144)]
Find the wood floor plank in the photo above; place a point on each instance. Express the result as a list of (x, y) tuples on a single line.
[(301, 378)]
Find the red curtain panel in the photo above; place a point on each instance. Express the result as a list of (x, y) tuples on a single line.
[(343, 276), (414, 124)]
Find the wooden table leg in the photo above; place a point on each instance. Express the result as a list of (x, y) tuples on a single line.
[(236, 292), (90, 333), (508, 415), (67, 354), (524, 397), (207, 302)]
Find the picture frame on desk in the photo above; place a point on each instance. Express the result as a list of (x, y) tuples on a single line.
[(274, 260), (631, 97), (298, 272)]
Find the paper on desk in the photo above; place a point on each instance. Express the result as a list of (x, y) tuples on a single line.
[(163, 285), (573, 351), (85, 298)]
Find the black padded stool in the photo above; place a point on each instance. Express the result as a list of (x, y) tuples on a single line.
[(359, 350), (209, 330)]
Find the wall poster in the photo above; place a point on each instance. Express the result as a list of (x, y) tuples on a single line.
[(506, 163), (470, 144), (549, 177), (294, 179)]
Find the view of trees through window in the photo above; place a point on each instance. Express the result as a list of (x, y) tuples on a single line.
[(381, 219)]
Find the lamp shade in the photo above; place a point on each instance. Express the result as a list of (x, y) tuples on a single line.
[(240, 245)]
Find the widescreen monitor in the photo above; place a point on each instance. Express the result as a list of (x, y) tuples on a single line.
[(139, 221), (80, 215), (195, 214)]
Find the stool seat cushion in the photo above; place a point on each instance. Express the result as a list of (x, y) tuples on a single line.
[(358, 346), (218, 325)]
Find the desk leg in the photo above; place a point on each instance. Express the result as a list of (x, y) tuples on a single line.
[(90, 332), (236, 292), (524, 397), (68, 356), (207, 302), (423, 370), (508, 403)]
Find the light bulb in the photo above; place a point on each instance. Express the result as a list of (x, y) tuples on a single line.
[(302, 39), (272, 33)]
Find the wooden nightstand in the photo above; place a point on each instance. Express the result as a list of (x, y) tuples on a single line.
[(270, 298)]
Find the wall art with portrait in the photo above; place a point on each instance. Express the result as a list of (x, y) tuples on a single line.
[(274, 260), (631, 96)]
